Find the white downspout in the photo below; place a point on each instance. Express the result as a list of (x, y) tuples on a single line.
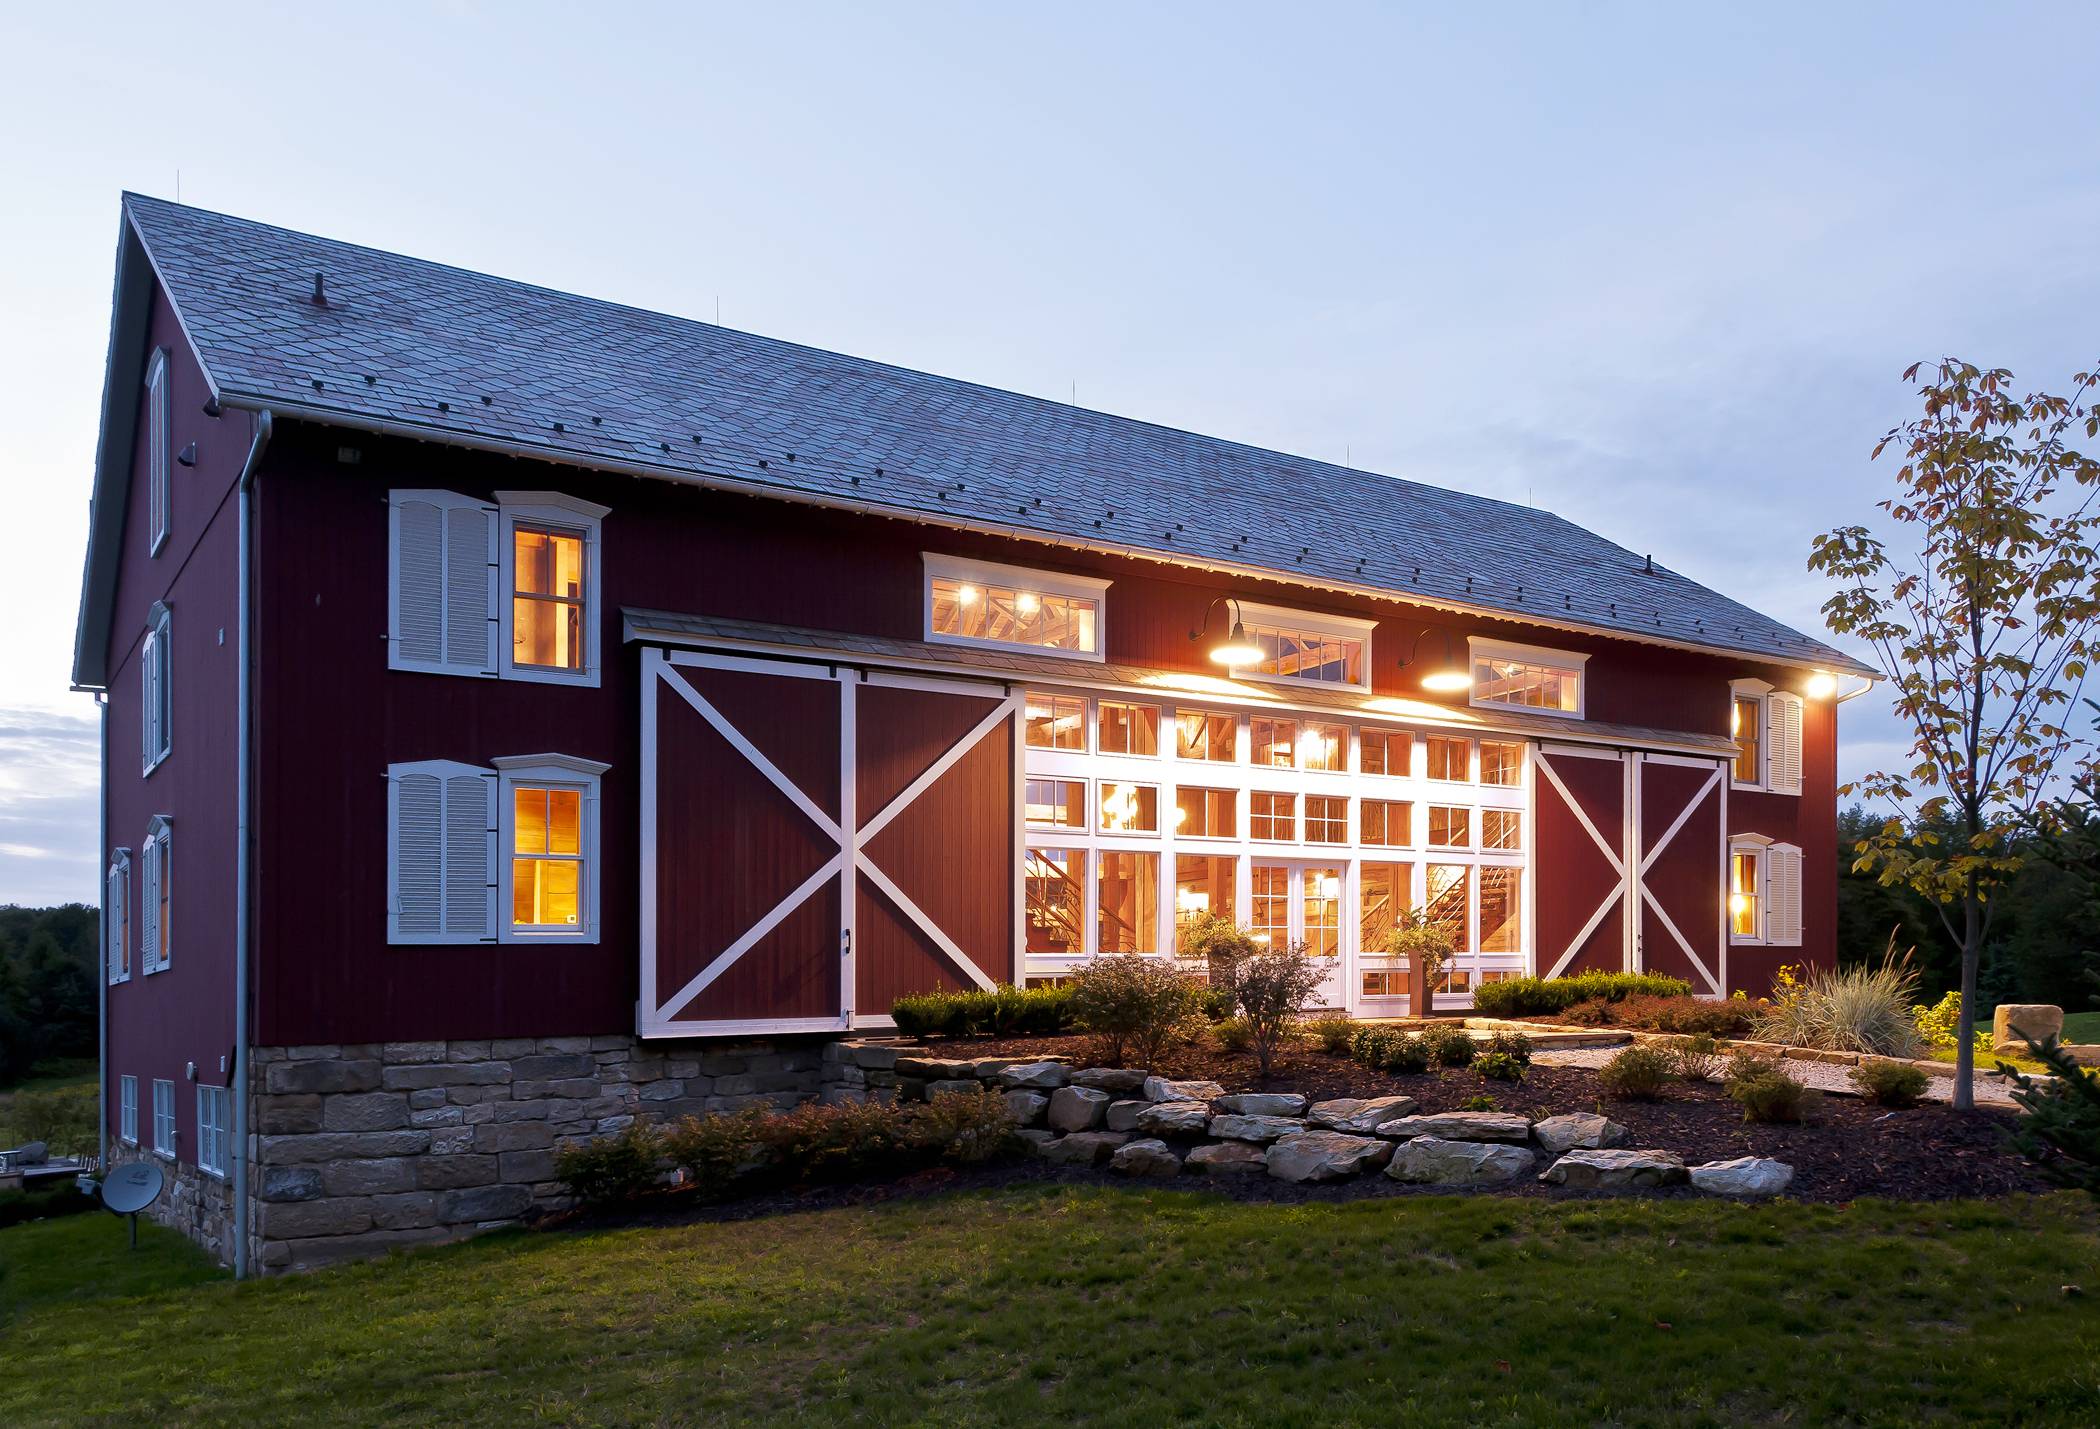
[(243, 795), (102, 963)]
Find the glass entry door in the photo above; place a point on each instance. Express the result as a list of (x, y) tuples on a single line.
[(1301, 902)]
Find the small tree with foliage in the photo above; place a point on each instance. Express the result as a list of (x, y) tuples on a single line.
[(1220, 944), (1275, 986), (1985, 633), (1427, 945)]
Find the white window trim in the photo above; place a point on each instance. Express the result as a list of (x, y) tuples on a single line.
[(1760, 691), (1767, 849), (166, 1150), (566, 513), (1479, 648), (159, 443), (158, 852), (156, 688), (442, 770), (116, 931), (554, 771), (207, 1144), (1065, 583), (1313, 622), (128, 1109)]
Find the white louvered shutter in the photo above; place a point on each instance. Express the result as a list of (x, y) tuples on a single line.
[(441, 599), (149, 914), (116, 931), (441, 851), (1785, 734), (1783, 917)]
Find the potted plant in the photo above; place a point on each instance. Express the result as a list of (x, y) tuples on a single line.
[(1428, 949), (1221, 945)]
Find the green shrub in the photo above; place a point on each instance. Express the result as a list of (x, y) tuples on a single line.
[(1695, 1058), (1893, 1084), (1767, 1094), (1006, 1011), (1220, 945), (1940, 1025), (64, 1119), (611, 1169), (1861, 1009), (1539, 996), (1510, 1044), (1409, 1055), (1637, 1074), (2060, 1132), (1479, 1103), (965, 1127), (1386, 1049), (714, 1150), (1274, 987), (1449, 1046), (1332, 1033), (1234, 1034), (1500, 1066), (819, 1142), (1137, 1006), (1216, 1003), (43, 1203)]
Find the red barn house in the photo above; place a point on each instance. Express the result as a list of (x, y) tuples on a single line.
[(524, 713)]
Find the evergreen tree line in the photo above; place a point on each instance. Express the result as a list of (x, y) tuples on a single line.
[(49, 960), (2044, 943)]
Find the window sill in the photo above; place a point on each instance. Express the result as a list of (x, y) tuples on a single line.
[(1524, 709), (964, 642), (582, 679), (525, 937), (159, 759)]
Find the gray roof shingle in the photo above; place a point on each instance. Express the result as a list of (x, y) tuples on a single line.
[(409, 344)]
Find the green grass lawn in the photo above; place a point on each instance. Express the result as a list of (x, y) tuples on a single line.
[(1101, 1305), (2082, 1027)]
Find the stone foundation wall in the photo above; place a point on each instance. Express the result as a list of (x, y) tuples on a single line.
[(198, 1205), (358, 1149)]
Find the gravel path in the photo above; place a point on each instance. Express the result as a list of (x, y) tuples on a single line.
[(1991, 1090)]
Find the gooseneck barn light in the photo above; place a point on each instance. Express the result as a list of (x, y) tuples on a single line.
[(1236, 648), (1448, 676)]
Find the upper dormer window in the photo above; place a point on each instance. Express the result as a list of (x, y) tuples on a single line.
[(157, 439), (1304, 647), (1528, 677), (978, 603)]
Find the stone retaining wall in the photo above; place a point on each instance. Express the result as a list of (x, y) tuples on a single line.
[(198, 1205)]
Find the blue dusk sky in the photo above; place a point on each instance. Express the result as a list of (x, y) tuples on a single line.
[(1655, 268)]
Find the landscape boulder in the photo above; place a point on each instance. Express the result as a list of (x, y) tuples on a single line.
[(1123, 1115), (1609, 1170), (1036, 1076), (1027, 1107), (1227, 1158), (1161, 1089), (1145, 1158), (1077, 1109), (1432, 1161), (1084, 1148), (1503, 1126), (1359, 1115), (2038, 1020), (1253, 1128), (1746, 1176), (1324, 1155), (1174, 1119), (1577, 1130), (1263, 1104), (1126, 1080)]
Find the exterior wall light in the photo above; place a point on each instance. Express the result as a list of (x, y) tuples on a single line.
[(1235, 649), (1447, 676), (1822, 685)]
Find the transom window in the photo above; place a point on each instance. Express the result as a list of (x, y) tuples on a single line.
[(1199, 734), (1528, 677), (1390, 752), (1274, 741), (1056, 721), (1450, 758), (1501, 763), (979, 603), (1206, 813), (1303, 646), (1272, 815), (1059, 803), (1323, 746), (1129, 729), (1130, 808)]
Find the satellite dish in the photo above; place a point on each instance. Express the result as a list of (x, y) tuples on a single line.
[(131, 1187)]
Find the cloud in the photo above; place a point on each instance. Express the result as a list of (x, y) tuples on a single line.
[(48, 806)]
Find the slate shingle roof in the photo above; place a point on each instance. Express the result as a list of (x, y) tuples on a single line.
[(411, 344)]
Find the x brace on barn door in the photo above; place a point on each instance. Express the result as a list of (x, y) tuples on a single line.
[(663, 1012), (1614, 854), (1636, 807)]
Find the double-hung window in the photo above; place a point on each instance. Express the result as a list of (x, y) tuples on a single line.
[(1528, 677), (1766, 726), (1012, 607), (509, 589), (1764, 891), (116, 918), (156, 656), (164, 1118), (156, 930), (159, 437), (211, 1129), (128, 1109)]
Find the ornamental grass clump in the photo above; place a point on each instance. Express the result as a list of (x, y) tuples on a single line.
[(1861, 1009), (1696, 1058), (1005, 1011), (1136, 1006)]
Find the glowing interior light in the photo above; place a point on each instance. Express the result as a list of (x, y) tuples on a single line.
[(1822, 685), (1026, 602), (1738, 904), (1193, 900), (1181, 816), (1315, 748), (1330, 887), (1261, 938), (1448, 681), (966, 595), (1735, 719)]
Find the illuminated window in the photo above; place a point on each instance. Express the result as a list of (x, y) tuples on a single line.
[(1450, 758), (1271, 921), (1388, 823), (1205, 813), (1272, 815), (1501, 829), (1384, 893), (1747, 724), (1326, 819), (1274, 742), (1745, 894), (1387, 751), (1203, 883), (1323, 911), (1215, 737), (1501, 910), (1129, 920), (1129, 808), (549, 837), (1301, 646), (977, 603), (1060, 803), (1129, 729), (1501, 764), (1054, 883), (550, 570), (1056, 721), (1545, 680), (1450, 896), (1450, 827), (1323, 747)]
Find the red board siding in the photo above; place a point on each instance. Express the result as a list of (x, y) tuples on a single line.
[(1574, 876), (1687, 877)]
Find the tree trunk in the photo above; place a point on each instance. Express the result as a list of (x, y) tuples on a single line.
[(1965, 1027)]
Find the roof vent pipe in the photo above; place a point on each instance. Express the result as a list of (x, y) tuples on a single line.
[(1648, 565), (320, 292)]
